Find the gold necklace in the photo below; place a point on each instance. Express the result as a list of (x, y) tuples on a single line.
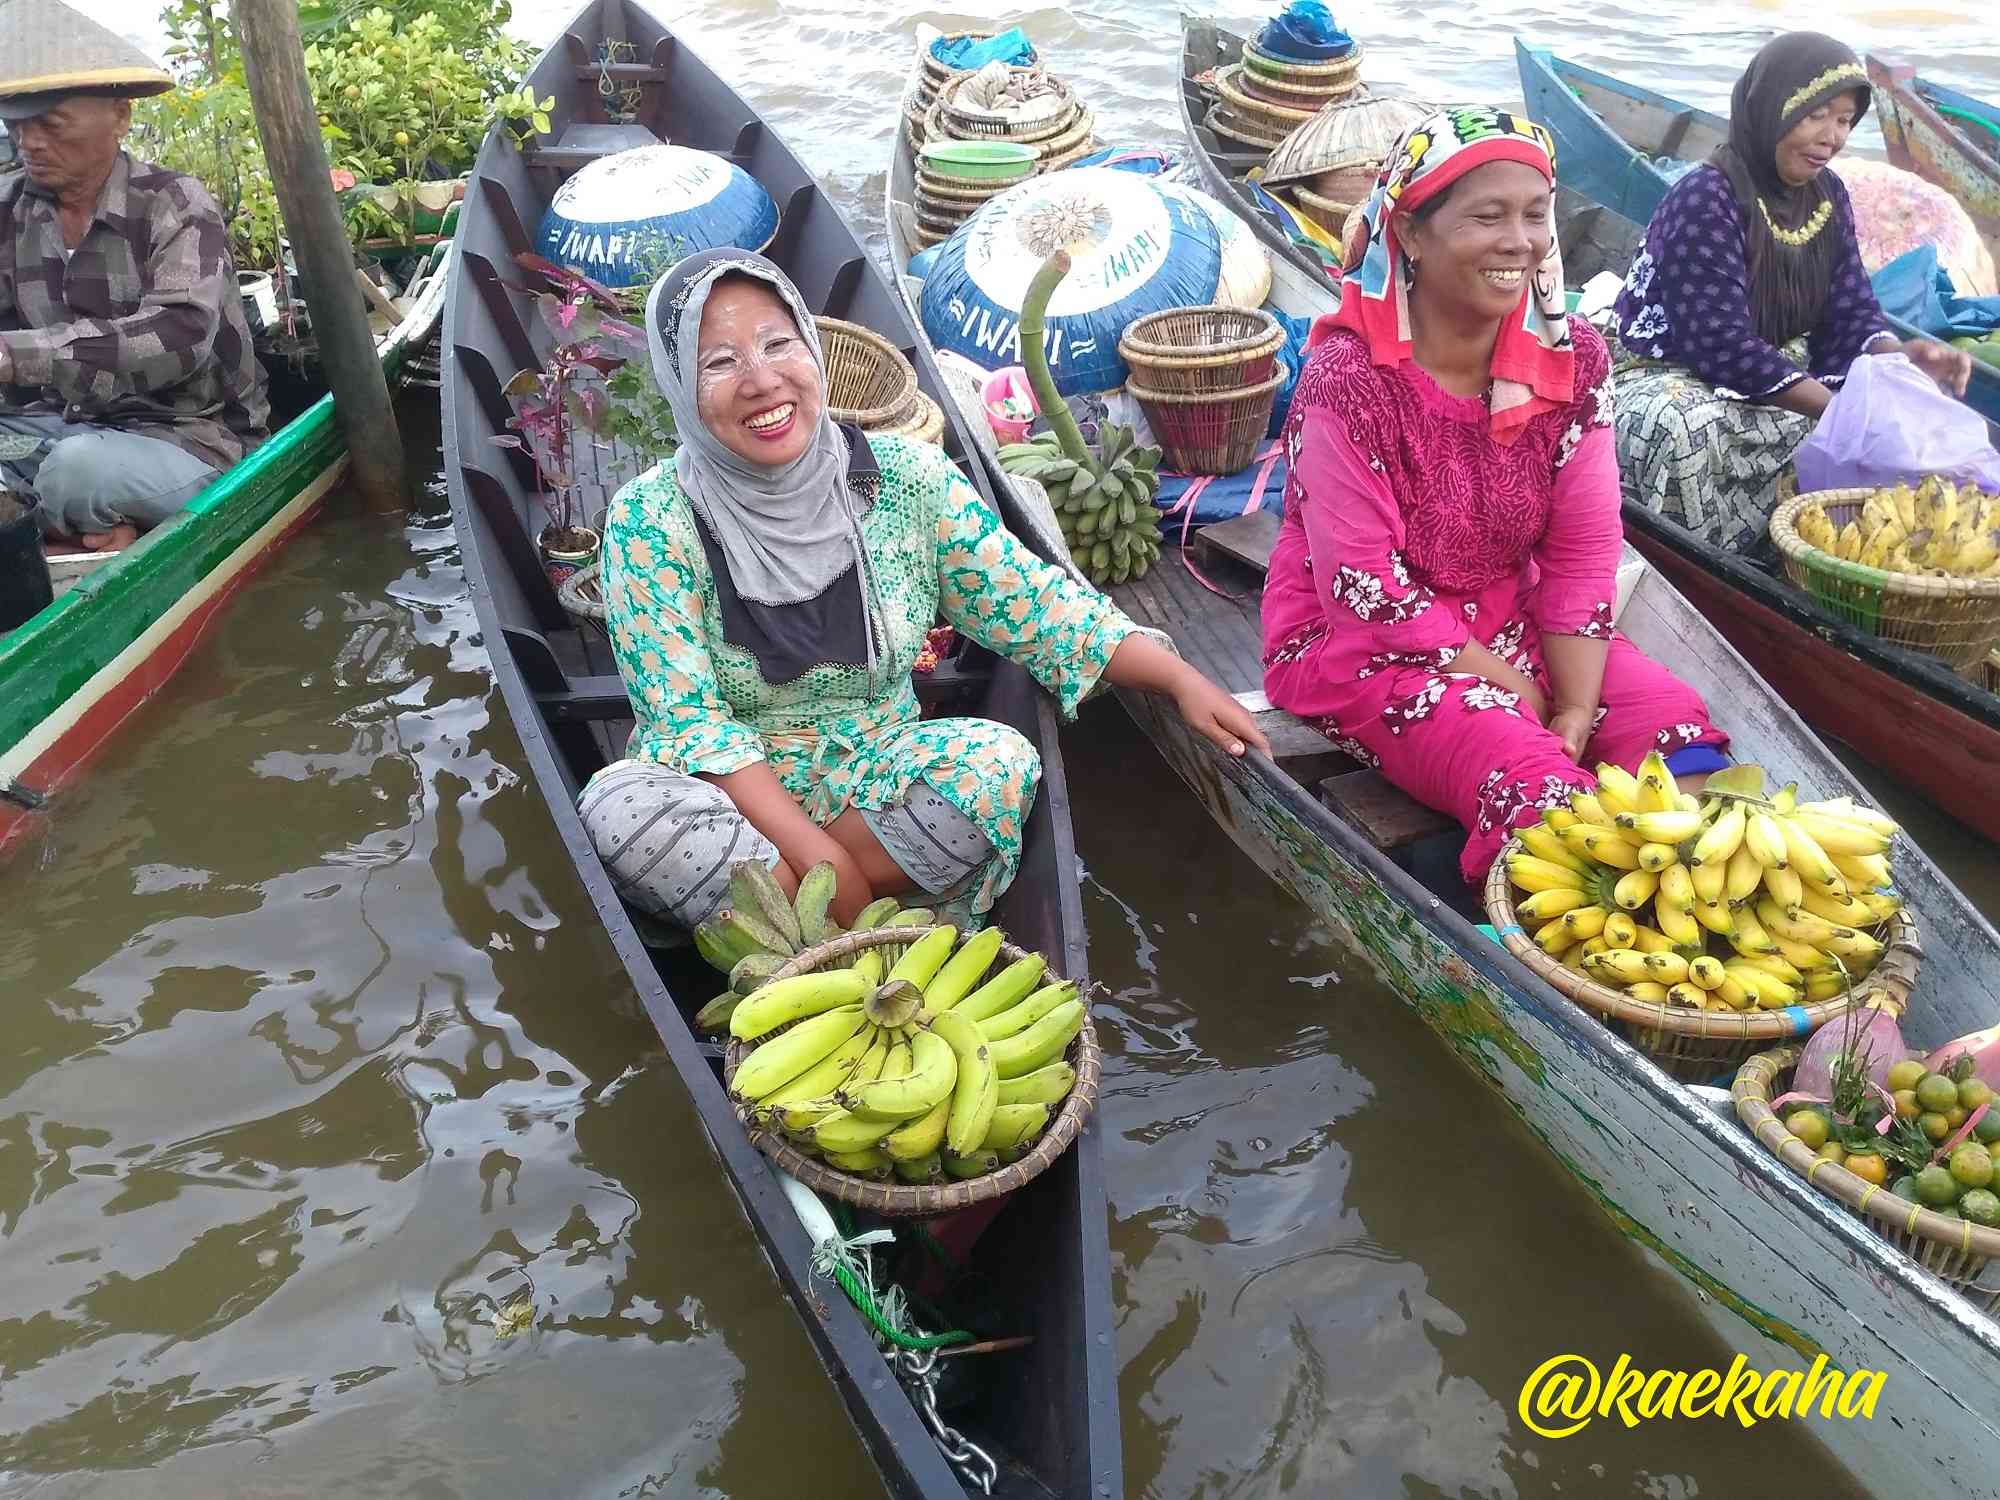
[(1804, 234)]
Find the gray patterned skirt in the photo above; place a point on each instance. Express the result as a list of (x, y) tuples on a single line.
[(1704, 460)]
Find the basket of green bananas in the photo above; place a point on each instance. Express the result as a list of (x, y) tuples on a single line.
[(909, 1073)]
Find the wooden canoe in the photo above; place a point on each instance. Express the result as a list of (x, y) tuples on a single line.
[(1782, 1273), (115, 633), (1944, 136), (1047, 1414), (1902, 710), (1611, 137)]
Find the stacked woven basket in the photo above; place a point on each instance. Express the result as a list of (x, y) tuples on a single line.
[(955, 179), (1206, 377), (1264, 98), (933, 76), (871, 385), (1027, 108)]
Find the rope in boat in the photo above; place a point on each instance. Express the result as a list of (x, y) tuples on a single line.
[(842, 1257)]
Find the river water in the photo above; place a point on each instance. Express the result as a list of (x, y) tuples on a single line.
[(319, 1056)]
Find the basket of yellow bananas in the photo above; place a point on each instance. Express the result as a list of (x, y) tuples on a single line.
[(909, 1073), (1712, 925), (1917, 565)]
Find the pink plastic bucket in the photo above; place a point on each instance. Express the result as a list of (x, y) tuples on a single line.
[(1012, 381)]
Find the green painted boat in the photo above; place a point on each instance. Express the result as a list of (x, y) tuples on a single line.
[(114, 634)]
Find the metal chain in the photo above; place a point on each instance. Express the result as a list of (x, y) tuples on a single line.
[(917, 1369)]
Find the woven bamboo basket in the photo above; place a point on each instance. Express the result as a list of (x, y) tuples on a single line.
[(1953, 1250), (1325, 212), (1231, 126), (1070, 157), (1024, 125), (944, 222), (937, 73), (1066, 144), (1208, 432), (902, 1200), (582, 598), (1281, 117), (922, 419), (867, 378), (1212, 348), (1955, 619), (1335, 71), (943, 185), (1696, 1045)]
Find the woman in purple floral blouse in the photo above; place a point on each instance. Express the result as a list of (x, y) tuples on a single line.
[(1748, 302)]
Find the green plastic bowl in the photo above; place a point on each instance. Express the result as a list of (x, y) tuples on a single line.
[(981, 161)]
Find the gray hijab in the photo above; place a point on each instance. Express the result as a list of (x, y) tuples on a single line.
[(787, 532)]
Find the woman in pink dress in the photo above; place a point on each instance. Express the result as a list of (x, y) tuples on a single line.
[(1439, 601)]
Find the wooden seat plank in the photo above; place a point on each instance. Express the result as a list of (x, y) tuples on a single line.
[(1387, 816), (1245, 540)]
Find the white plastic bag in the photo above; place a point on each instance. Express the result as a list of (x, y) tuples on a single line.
[(1890, 424)]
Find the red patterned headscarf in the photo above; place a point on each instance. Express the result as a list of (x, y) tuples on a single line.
[(1533, 360)]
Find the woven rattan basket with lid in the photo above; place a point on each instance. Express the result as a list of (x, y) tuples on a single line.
[(1954, 1250), (867, 379), (902, 1199), (1955, 619), (1048, 114), (1208, 348), (1696, 1045)]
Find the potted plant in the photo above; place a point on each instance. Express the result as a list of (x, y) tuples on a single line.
[(564, 409)]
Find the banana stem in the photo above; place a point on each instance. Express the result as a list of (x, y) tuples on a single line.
[(1035, 359)]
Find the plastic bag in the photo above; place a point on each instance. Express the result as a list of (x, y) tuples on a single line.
[(1890, 424)]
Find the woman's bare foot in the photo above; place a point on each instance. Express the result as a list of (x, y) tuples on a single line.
[(116, 539)]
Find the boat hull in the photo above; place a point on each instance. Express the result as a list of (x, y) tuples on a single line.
[(1935, 746), (1921, 140), (1781, 1277)]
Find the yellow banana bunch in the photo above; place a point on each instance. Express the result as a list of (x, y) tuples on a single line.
[(1938, 525), (1733, 899), (903, 1078)]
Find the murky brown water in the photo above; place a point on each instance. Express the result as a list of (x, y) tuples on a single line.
[(318, 1055)]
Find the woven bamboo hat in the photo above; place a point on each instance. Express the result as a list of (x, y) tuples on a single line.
[(49, 51)]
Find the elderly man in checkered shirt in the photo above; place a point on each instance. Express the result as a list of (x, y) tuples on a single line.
[(127, 375)]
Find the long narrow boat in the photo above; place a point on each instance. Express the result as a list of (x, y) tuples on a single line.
[(1944, 136), (1781, 1272), (1903, 711), (71, 675), (1616, 143), (1047, 1414)]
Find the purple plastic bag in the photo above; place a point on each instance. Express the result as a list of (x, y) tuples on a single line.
[(1890, 424)]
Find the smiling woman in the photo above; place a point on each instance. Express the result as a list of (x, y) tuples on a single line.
[(767, 597), (1439, 600)]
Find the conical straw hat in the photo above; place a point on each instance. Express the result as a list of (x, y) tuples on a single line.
[(48, 49)]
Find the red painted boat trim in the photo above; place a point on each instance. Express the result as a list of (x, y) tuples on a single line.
[(50, 771)]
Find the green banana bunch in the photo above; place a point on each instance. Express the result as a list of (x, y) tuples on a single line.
[(1104, 506), (762, 928)]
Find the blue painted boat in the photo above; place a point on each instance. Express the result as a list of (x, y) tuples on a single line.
[(1616, 141), (1944, 136)]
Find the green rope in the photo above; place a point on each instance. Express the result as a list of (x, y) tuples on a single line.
[(864, 1303), (1968, 116)]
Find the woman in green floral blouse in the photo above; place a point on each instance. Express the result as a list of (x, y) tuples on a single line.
[(768, 594)]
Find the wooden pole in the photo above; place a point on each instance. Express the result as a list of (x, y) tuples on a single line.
[(274, 66)]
